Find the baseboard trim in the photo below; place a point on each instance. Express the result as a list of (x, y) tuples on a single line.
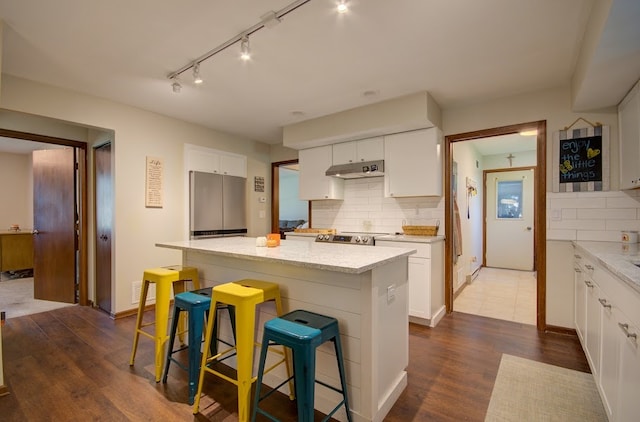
[(560, 330), (130, 312)]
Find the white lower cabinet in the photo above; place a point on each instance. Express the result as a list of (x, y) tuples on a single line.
[(426, 280), (608, 316), (594, 326), (628, 406), (580, 299)]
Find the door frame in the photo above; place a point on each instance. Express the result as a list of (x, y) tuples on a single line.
[(82, 199), (275, 194), (540, 218), (484, 208)]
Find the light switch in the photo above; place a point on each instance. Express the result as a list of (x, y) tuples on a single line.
[(262, 214)]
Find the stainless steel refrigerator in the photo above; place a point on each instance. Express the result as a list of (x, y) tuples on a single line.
[(217, 205)]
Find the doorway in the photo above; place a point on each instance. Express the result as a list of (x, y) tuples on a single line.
[(103, 188), (288, 212), (451, 211), (72, 279)]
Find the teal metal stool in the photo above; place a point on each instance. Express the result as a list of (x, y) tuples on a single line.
[(302, 332), (197, 304)]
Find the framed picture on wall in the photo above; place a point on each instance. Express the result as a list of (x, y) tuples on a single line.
[(581, 160)]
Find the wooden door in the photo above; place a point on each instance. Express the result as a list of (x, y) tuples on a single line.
[(55, 219), (104, 225)]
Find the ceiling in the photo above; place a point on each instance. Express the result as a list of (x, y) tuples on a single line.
[(315, 61)]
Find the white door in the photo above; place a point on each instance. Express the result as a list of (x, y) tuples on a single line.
[(509, 219)]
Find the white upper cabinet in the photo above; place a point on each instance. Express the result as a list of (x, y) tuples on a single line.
[(313, 182), (233, 165), (629, 123), (204, 161), (358, 151), (213, 161), (413, 163)]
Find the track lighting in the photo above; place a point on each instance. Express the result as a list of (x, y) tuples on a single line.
[(342, 6), (245, 50), (268, 20), (176, 86), (197, 79)]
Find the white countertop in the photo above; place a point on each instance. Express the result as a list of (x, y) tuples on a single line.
[(617, 257), (352, 259), (410, 238)]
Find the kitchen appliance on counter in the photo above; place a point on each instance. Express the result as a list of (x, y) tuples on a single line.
[(217, 205), (349, 238)]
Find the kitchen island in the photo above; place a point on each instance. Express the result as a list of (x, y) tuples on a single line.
[(365, 289)]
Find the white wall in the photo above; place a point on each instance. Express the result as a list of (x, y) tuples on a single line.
[(470, 209), (137, 134), (16, 191), (291, 208)]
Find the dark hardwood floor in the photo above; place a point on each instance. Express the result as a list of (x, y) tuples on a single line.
[(72, 364)]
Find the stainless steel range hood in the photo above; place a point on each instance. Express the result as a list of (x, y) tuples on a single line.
[(356, 170)]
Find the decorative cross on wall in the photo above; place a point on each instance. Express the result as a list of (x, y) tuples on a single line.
[(510, 157)]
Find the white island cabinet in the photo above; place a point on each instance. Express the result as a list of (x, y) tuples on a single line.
[(608, 320), (426, 276), (364, 288)]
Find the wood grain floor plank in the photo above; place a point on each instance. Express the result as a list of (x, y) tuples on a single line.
[(72, 364)]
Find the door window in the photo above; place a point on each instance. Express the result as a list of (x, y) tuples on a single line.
[(509, 197)]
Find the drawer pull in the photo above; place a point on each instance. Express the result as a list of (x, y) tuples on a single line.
[(577, 256), (604, 303), (588, 283), (625, 328), (589, 267), (578, 270)]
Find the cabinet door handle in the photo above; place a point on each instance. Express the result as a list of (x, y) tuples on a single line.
[(577, 256), (578, 270), (604, 303), (625, 329), (588, 283), (588, 267)]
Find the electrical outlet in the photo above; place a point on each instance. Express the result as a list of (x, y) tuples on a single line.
[(391, 293), (136, 286)]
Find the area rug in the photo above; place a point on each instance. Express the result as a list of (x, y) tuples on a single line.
[(526, 390), (16, 299)]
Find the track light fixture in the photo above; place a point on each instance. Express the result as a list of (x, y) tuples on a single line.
[(176, 86), (197, 79), (245, 49), (268, 20)]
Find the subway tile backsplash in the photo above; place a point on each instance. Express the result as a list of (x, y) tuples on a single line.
[(592, 215), (570, 216), (365, 209)]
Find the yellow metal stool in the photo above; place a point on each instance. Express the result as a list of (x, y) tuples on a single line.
[(164, 278), (244, 295)]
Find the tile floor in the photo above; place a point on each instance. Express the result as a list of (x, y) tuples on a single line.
[(502, 294)]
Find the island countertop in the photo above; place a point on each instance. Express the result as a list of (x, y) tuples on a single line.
[(352, 259)]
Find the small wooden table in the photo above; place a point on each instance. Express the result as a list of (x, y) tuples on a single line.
[(16, 250)]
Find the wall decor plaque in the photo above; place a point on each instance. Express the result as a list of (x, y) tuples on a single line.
[(153, 183)]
